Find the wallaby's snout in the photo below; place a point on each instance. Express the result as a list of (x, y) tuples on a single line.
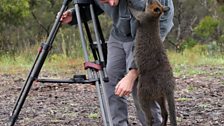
[(162, 9), (156, 9), (166, 8)]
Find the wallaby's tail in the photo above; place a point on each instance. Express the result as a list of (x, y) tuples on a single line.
[(172, 112)]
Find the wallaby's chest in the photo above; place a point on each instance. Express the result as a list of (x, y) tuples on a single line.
[(148, 44)]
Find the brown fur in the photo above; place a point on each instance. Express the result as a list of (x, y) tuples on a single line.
[(156, 81)]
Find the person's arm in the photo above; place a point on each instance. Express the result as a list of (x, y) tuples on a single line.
[(125, 85), (69, 16)]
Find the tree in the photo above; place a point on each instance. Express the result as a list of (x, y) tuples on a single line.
[(207, 28), (13, 12)]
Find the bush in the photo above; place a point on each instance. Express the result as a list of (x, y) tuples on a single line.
[(207, 27), (188, 44)]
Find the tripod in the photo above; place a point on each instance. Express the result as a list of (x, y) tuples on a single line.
[(96, 72)]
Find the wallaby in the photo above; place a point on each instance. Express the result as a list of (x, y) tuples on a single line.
[(156, 80)]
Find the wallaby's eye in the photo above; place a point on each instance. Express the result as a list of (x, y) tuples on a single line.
[(157, 10)]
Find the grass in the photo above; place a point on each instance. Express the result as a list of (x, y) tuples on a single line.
[(183, 63), (53, 63), (186, 63), (190, 88), (93, 115), (183, 99)]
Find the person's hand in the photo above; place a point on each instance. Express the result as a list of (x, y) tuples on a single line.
[(125, 85), (66, 17), (110, 2)]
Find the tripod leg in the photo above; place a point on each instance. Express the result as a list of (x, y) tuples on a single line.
[(93, 74), (33, 75), (104, 100), (104, 45), (102, 60), (102, 73), (84, 47), (28, 84), (24, 86), (102, 108)]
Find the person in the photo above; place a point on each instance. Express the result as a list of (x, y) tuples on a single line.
[(121, 68)]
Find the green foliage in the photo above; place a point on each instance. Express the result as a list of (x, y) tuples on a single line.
[(13, 12), (184, 63), (43, 14), (206, 27), (212, 48), (198, 49), (221, 43), (221, 9), (93, 115), (188, 44), (25, 23), (182, 99)]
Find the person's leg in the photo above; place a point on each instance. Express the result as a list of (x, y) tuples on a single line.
[(155, 108), (116, 68)]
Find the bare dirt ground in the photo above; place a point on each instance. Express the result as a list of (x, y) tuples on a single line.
[(199, 101)]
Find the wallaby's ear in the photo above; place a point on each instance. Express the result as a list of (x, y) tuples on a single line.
[(136, 13)]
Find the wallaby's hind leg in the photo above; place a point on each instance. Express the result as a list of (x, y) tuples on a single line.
[(171, 105), (147, 111), (146, 107), (162, 103)]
